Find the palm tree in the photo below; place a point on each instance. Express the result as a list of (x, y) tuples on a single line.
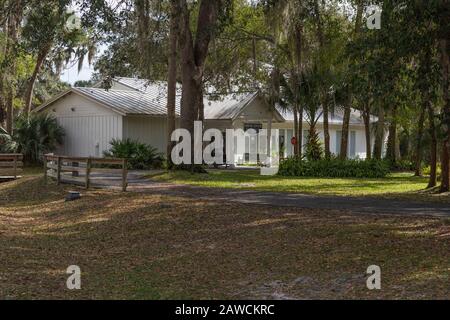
[(36, 135), (310, 93)]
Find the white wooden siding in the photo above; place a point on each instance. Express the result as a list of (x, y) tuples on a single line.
[(150, 130), (89, 127)]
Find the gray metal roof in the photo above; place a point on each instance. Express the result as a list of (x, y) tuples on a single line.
[(154, 100), (131, 102), (335, 117), (227, 107), (230, 106), (216, 107), (133, 83), (150, 98)]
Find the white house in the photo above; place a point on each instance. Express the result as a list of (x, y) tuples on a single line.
[(136, 109)]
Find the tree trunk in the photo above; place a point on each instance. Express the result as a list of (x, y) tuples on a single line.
[(30, 86), (298, 57), (255, 64), (4, 50), (366, 119), (433, 155), (379, 137), (392, 138), (274, 98), (172, 81), (190, 94), (295, 131), (9, 111), (348, 106), (418, 153), (325, 107), (201, 107), (2, 110), (193, 56), (445, 158), (345, 126), (300, 131), (326, 127), (14, 20)]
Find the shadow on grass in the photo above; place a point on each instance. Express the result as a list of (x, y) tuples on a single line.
[(142, 246), (394, 184)]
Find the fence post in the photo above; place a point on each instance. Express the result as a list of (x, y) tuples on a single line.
[(45, 169), (88, 173), (58, 171), (75, 173), (15, 166), (124, 174)]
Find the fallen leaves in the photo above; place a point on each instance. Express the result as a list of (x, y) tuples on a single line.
[(154, 246)]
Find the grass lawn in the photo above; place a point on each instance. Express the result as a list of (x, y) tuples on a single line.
[(151, 246), (396, 185)]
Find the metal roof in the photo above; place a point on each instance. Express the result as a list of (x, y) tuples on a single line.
[(133, 83), (227, 107), (150, 98), (131, 102), (335, 117), (230, 106), (154, 100)]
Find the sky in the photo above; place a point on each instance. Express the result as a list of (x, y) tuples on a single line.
[(71, 74)]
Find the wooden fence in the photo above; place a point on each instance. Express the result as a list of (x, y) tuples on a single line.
[(10, 165), (57, 166)]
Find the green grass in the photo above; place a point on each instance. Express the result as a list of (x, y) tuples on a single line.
[(395, 185)]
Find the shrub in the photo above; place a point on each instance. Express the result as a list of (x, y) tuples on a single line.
[(401, 165), (7, 144), (334, 168), (36, 135), (313, 149), (140, 156), (427, 170)]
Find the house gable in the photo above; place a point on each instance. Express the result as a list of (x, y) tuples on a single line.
[(258, 110), (74, 104), (73, 98)]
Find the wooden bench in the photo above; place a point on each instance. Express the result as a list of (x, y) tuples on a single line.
[(11, 165)]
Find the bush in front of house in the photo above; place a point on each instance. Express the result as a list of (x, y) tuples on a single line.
[(140, 156), (36, 135), (402, 165), (334, 168)]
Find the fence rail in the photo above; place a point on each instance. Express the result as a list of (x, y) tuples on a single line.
[(10, 165), (56, 165)]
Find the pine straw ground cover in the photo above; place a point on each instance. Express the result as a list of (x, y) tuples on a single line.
[(143, 246)]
